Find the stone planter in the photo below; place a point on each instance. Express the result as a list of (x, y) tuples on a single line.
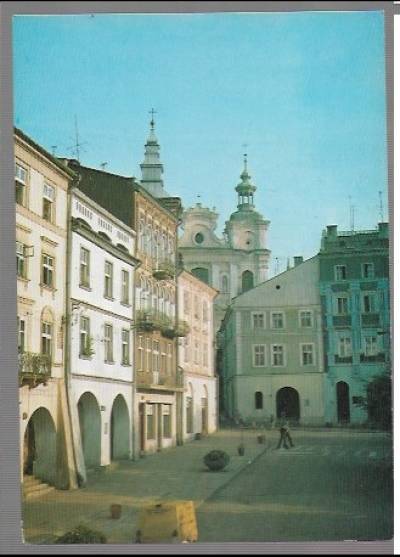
[(261, 439), (241, 450), (216, 460)]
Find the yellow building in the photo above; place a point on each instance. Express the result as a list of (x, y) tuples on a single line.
[(41, 189)]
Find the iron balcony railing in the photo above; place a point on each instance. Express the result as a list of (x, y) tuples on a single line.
[(34, 368), (150, 320)]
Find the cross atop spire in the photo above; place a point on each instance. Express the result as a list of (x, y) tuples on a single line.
[(152, 112)]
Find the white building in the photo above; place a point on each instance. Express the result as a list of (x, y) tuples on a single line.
[(273, 359), (196, 357), (41, 184), (101, 306), (232, 264)]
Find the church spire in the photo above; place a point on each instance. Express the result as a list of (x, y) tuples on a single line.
[(245, 189), (151, 167)]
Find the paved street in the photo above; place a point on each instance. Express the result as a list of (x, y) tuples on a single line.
[(333, 485)]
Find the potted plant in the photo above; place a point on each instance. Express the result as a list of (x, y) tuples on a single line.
[(82, 534), (241, 449), (216, 460), (88, 350)]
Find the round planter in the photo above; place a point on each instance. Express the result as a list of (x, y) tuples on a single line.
[(241, 451), (261, 439), (115, 511), (216, 460)]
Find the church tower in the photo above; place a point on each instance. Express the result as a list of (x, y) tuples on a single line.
[(246, 228), (151, 167)]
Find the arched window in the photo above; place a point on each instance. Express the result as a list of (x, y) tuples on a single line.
[(247, 281), (258, 400), (142, 235), (224, 284), (149, 239), (162, 300), (201, 273)]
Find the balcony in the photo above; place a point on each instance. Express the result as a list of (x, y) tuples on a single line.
[(343, 359), (380, 357), (169, 330), (341, 320), (164, 270), (370, 319), (149, 320), (34, 369), (157, 380)]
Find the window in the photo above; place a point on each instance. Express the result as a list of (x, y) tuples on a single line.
[(199, 238), (84, 347), (277, 321), (166, 411), (47, 336), (21, 335), (189, 414), (368, 303), (125, 287), (140, 354), (84, 270), (278, 355), (142, 235), (258, 320), (371, 348), (205, 354), (305, 318), (342, 306), (205, 312), (196, 352), (368, 270), (108, 279), (196, 307), (187, 349), (163, 358), (150, 421), (186, 302), (156, 355), (21, 181), (307, 354), (148, 354), (21, 261), (125, 347), (48, 202), (247, 281), (345, 347), (47, 270), (258, 400), (258, 355), (108, 343), (224, 284), (340, 272), (169, 359)]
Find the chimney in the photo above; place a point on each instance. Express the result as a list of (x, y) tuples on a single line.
[(298, 259), (383, 229), (332, 230)]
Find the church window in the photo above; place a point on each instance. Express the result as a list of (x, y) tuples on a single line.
[(224, 284), (247, 281), (199, 238)]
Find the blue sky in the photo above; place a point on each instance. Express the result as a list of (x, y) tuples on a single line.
[(305, 91)]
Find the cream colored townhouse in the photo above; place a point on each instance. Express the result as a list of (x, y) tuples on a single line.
[(196, 356), (41, 188)]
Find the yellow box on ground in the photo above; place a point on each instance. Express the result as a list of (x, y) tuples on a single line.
[(174, 521)]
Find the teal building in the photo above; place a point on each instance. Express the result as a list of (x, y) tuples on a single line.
[(354, 289)]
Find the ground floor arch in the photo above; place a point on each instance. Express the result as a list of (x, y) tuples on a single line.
[(120, 430), (288, 404), (342, 402), (40, 446), (90, 426)]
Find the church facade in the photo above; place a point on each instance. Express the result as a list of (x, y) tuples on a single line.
[(235, 262)]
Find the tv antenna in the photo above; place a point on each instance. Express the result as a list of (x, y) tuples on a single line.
[(380, 206), (352, 208), (53, 150), (78, 145), (277, 266)]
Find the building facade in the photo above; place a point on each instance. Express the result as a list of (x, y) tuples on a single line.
[(101, 267), (234, 263), (196, 357), (272, 350), (354, 287), (41, 186)]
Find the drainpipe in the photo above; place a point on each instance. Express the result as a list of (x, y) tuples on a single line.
[(79, 463), (179, 374)]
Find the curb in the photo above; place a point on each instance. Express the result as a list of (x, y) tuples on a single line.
[(235, 475)]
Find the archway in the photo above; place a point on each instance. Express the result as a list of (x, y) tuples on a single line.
[(90, 425), (119, 438), (343, 402), (288, 404), (247, 281), (204, 411), (201, 273), (40, 446)]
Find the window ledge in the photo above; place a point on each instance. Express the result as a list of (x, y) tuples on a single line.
[(125, 364), (126, 304), (23, 279), (85, 357), (47, 287), (110, 362), (85, 287), (109, 298)]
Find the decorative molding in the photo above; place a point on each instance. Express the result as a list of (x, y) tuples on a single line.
[(49, 241)]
